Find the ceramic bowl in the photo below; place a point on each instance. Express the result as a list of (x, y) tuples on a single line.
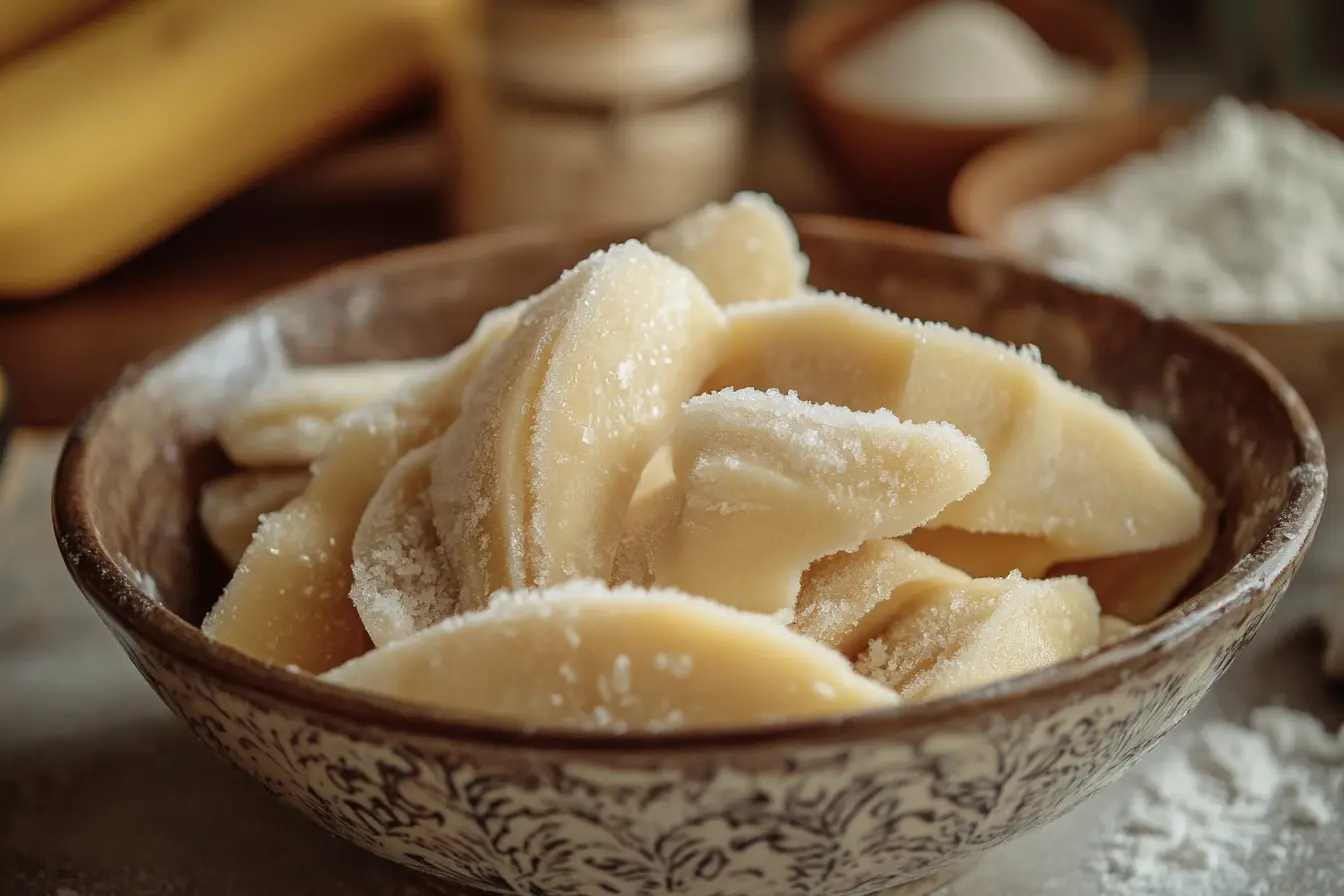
[(994, 184), (901, 168), (853, 805)]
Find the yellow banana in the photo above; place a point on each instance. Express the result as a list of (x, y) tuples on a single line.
[(25, 22), (114, 136)]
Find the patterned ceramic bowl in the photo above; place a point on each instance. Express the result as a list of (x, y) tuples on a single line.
[(897, 798)]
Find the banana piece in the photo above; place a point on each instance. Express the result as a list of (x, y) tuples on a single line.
[(582, 656), (232, 507), (532, 484), (848, 599), (983, 631), (314, 68), (768, 483), (288, 418), (289, 600), (402, 583), (25, 22), (742, 250), (1113, 629), (986, 555), (1065, 465)]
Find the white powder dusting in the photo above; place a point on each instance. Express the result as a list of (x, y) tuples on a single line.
[(1229, 801), (1240, 217)]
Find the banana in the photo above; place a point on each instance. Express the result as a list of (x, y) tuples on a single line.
[(149, 115), (583, 656), (25, 22)]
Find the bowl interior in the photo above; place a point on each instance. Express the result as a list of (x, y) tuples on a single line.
[(127, 488)]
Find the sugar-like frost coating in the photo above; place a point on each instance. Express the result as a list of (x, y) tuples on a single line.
[(532, 484), (402, 581), (767, 483), (289, 600), (1065, 465), (232, 507), (743, 250), (583, 656)]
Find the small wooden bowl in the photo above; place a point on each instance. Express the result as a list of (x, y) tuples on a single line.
[(901, 168), (1001, 179), (846, 806)]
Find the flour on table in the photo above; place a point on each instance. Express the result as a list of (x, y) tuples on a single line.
[(1227, 796), (1240, 217)]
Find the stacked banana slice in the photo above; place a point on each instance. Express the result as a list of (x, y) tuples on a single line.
[(680, 488)]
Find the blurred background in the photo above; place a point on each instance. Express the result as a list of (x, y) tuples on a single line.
[(162, 161)]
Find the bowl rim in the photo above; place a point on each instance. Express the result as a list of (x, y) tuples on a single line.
[(1166, 117), (1128, 74), (117, 596)]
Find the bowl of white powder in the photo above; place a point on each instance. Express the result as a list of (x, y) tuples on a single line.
[(900, 94), (1230, 213)]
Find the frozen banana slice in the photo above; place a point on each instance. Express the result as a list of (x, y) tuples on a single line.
[(582, 656), (289, 600), (769, 483), (1065, 465), (402, 583), (232, 507), (653, 509), (532, 485), (1113, 629), (986, 555), (983, 631), (849, 599), (288, 418), (742, 250), (1140, 587)]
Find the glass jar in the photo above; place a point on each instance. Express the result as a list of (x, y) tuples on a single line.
[(598, 111)]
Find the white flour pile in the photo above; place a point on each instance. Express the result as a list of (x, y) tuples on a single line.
[(961, 62), (1239, 218), (1225, 811)]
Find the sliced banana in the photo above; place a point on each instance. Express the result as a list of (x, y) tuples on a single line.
[(232, 507), (983, 631), (532, 484), (1065, 465), (582, 656), (1113, 629), (402, 583), (288, 418), (768, 483), (289, 600), (848, 599), (986, 555), (742, 250)]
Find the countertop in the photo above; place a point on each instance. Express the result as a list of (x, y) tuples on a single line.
[(104, 793)]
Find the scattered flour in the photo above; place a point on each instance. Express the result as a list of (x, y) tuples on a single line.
[(1241, 217), (1225, 809)]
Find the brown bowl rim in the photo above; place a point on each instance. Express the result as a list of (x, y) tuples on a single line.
[(1126, 77), (115, 594), (1170, 116)]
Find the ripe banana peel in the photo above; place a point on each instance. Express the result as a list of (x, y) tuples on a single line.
[(138, 121), (25, 22)]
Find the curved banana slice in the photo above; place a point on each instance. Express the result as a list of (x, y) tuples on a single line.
[(532, 484), (849, 599), (402, 583), (986, 555), (768, 483), (289, 601), (1139, 587), (582, 656), (1065, 465), (986, 630), (652, 509), (742, 250), (288, 418), (232, 507), (1113, 629)]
